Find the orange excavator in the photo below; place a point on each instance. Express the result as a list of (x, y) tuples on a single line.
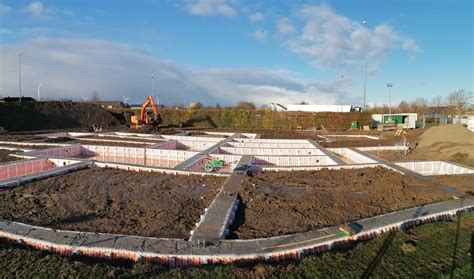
[(147, 118)]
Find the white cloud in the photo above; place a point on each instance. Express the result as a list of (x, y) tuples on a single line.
[(411, 45), (256, 17), (284, 26), (5, 31), (210, 8), (260, 35), (71, 68), (4, 9), (36, 9), (330, 40)]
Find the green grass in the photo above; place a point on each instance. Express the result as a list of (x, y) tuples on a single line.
[(438, 250)]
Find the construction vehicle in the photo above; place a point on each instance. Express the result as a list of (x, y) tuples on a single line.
[(146, 118)]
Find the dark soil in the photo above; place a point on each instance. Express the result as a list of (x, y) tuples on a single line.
[(279, 203), (387, 137), (31, 116), (113, 201), (4, 155)]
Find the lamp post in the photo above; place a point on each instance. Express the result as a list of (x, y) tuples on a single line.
[(365, 66), (389, 85), (19, 73), (152, 85)]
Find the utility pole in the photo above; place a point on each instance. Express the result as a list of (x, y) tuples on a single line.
[(152, 86), (365, 66), (19, 73)]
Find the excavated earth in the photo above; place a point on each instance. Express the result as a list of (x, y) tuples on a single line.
[(279, 203), (113, 201), (4, 156)]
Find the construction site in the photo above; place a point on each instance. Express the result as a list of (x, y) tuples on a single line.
[(181, 197)]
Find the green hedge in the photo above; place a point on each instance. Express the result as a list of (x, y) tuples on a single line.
[(243, 118)]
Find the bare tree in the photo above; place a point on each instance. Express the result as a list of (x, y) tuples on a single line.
[(421, 107), (436, 102), (404, 107), (459, 101)]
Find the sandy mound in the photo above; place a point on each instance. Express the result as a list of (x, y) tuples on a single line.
[(454, 133)]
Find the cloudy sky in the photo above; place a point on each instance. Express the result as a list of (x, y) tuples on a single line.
[(224, 51)]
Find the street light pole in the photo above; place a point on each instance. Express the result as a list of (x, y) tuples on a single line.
[(389, 85), (365, 66), (19, 73), (152, 85)]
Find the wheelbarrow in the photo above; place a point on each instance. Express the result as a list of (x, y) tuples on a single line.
[(215, 165)]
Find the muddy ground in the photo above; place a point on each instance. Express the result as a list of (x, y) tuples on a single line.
[(278, 203), (386, 137), (113, 201), (458, 153), (4, 156)]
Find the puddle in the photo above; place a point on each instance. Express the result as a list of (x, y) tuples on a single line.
[(448, 189)]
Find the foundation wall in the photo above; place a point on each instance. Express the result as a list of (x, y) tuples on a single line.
[(352, 157), (269, 151), (179, 253), (252, 140), (191, 138), (20, 168), (435, 168), (293, 161), (375, 148), (195, 145), (302, 145), (231, 160), (67, 151)]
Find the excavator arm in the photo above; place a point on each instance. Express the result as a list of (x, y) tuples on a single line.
[(143, 118)]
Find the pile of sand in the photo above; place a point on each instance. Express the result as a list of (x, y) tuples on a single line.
[(454, 133)]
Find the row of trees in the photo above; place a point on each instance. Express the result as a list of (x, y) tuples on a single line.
[(457, 103)]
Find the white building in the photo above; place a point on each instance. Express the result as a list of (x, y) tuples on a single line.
[(315, 108), (406, 120)]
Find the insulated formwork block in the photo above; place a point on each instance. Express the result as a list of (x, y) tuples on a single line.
[(128, 247), (94, 245)]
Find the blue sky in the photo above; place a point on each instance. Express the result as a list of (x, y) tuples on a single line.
[(229, 50)]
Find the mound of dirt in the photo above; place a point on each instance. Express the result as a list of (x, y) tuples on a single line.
[(29, 116), (454, 133)]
